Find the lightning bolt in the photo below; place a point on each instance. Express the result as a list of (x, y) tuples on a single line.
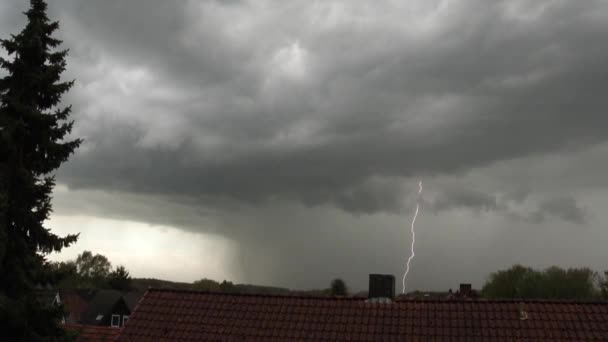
[(407, 269)]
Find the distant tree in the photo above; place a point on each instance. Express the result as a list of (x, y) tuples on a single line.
[(506, 283), (604, 285), (553, 282), (119, 279), (66, 274), (570, 283), (93, 270), (32, 145), (206, 285), (93, 266), (228, 287), (338, 287)]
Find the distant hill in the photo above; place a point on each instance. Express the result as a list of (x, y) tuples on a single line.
[(312, 293), (258, 289), (145, 283)]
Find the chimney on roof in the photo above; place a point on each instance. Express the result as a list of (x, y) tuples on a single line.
[(465, 290), (381, 286)]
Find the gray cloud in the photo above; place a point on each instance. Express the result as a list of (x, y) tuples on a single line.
[(458, 198), (230, 118), (564, 208)]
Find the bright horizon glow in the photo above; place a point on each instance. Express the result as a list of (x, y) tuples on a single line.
[(148, 251)]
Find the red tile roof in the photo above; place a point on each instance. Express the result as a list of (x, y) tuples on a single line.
[(75, 306), (92, 333), (171, 315)]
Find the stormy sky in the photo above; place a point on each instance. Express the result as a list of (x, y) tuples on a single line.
[(281, 142)]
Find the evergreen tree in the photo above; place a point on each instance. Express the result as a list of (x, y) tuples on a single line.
[(32, 132), (119, 279)]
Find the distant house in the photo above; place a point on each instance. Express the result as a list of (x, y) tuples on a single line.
[(97, 315), (99, 307), (106, 308), (183, 315), (465, 291), (75, 303)]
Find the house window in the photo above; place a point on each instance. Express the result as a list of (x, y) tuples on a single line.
[(116, 320), (125, 318)]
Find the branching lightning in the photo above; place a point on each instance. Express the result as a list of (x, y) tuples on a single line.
[(407, 269)]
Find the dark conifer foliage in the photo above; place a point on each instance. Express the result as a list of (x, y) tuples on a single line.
[(33, 132), (119, 279)]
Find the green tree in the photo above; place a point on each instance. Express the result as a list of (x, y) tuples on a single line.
[(93, 270), (604, 285), (66, 274), (582, 283), (553, 282), (119, 279), (32, 135), (570, 283), (206, 285), (506, 283), (227, 287), (338, 287)]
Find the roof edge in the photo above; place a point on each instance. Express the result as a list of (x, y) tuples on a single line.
[(397, 300), (225, 294)]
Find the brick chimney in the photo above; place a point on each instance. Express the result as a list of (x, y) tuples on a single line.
[(381, 286), (465, 290)]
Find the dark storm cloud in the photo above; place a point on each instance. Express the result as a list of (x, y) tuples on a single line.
[(505, 83)]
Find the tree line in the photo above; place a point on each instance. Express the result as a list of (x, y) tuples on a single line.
[(516, 282), (91, 271), (551, 283), (337, 287)]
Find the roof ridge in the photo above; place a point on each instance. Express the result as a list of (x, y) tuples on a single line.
[(236, 294), (397, 300)]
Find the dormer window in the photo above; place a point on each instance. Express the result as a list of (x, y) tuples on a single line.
[(115, 321), (125, 318)]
